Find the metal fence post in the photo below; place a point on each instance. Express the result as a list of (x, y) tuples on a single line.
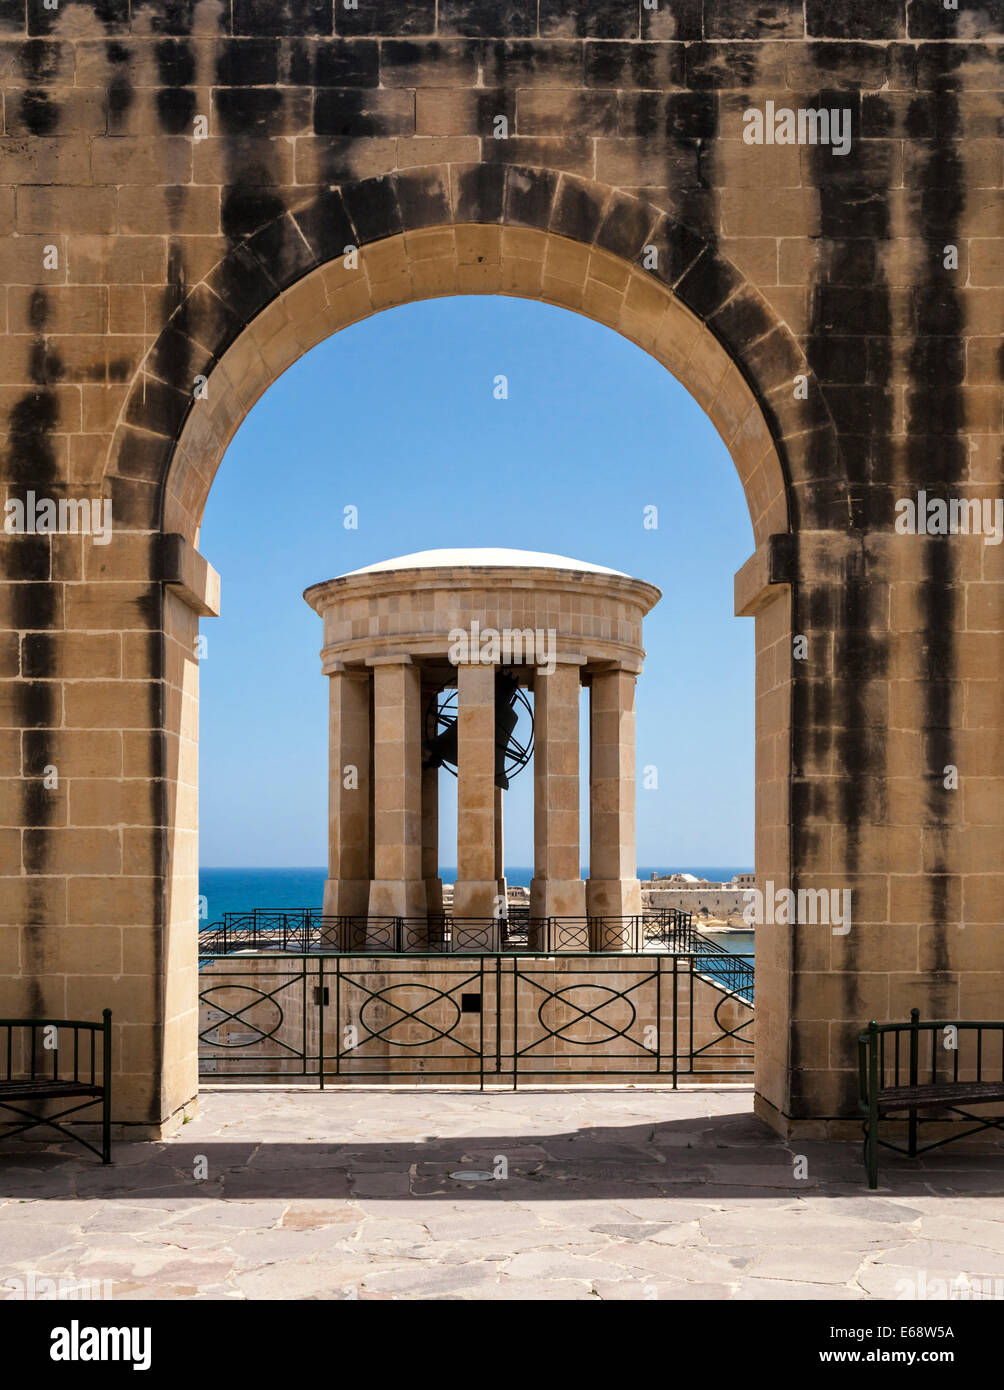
[(676, 1045), (320, 1020)]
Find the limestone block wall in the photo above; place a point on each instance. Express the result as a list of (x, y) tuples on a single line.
[(178, 186), (717, 902)]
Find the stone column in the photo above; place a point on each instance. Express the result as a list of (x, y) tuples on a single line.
[(557, 888), (430, 840), (397, 889), (430, 821), (500, 883), (613, 889), (476, 887), (346, 892)]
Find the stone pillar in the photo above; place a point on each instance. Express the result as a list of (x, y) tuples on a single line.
[(613, 889), (557, 888), (430, 820), (500, 883), (476, 887), (397, 889), (430, 840), (346, 892)]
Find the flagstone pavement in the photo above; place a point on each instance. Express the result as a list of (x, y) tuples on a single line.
[(634, 1193)]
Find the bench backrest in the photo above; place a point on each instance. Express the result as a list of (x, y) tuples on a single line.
[(929, 1053), (57, 1049)]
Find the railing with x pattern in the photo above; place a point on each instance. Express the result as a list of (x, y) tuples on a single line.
[(477, 1018)]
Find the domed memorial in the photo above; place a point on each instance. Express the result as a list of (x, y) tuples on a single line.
[(433, 661)]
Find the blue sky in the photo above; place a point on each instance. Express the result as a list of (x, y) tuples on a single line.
[(397, 417)]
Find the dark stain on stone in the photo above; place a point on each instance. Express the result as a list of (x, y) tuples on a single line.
[(175, 97), (254, 62), (120, 95), (480, 193), (529, 197), (39, 113), (31, 456), (342, 112), (373, 208), (397, 18), (39, 61), (39, 652), (478, 18), (250, 198), (36, 605), (38, 310), (421, 199), (248, 206), (577, 211), (600, 19), (634, 66), (171, 16), (288, 17), (250, 110), (34, 414), (38, 804), (26, 557), (37, 704), (143, 456), (863, 419), (36, 752), (242, 284), (281, 251), (625, 228), (829, 710), (175, 110), (325, 226), (692, 116), (855, 19), (335, 63), (936, 416), (175, 62)]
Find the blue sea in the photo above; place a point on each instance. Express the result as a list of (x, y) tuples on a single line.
[(239, 890)]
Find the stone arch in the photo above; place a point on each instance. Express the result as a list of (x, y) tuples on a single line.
[(511, 230)]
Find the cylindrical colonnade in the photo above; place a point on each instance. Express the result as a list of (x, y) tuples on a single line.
[(396, 635)]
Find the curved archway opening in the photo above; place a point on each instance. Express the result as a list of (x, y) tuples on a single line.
[(527, 263), (473, 421), (474, 259)]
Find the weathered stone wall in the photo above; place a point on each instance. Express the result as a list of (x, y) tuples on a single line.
[(138, 256), (718, 902)]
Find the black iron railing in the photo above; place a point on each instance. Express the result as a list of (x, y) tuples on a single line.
[(303, 929), (736, 973), (667, 929), (502, 1019)]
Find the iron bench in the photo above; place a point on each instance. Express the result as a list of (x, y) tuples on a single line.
[(894, 1078), (30, 1071)]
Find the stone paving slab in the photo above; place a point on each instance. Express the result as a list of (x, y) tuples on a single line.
[(608, 1195)]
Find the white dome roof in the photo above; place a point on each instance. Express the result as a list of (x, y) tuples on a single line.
[(484, 555)]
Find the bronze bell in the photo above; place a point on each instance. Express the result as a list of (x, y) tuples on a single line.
[(442, 749)]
